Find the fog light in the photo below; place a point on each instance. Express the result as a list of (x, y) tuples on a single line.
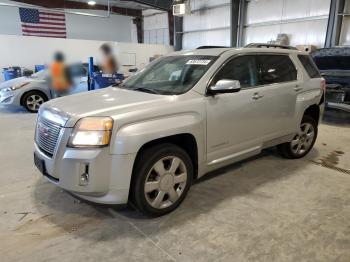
[(84, 177), (6, 100)]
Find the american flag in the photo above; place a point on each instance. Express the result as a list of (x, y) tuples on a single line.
[(42, 23)]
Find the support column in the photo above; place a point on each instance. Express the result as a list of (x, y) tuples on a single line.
[(234, 17), (171, 27), (335, 21), (242, 16), (178, 31), (138, 21)]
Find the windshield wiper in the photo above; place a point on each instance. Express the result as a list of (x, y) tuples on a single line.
[(146, 90)]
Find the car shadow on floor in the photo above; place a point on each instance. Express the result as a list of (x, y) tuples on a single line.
[(9, 109), (243, 179)]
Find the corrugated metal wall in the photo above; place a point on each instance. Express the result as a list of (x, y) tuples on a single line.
[(208, 24), (345, 32), (304, 21), (156, 27)]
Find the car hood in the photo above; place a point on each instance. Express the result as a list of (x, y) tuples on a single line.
[(18, 81), (105, 102), (13, 82)]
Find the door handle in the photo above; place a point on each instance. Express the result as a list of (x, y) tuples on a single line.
[(297, 88), (256, 96)]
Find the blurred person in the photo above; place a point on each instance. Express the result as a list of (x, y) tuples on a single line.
[(61, 81), (109, 63)]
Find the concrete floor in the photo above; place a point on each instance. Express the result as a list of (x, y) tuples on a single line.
[(263, 209)]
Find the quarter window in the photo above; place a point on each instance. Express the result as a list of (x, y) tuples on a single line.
[(276, 69), (243, 69), (309, 66)]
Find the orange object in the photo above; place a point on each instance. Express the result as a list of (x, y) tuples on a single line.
[(59, 78)]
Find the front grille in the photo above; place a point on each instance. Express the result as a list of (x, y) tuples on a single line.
[(47, 134)]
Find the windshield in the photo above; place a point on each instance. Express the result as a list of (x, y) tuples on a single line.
[(171, 75)]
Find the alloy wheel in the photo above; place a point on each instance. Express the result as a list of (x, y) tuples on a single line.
[(34, 102), (303, 140), (165, 182)]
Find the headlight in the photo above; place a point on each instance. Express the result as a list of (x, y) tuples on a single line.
[(13, 88), (92, 132)]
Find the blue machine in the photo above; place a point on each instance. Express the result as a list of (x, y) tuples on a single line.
[(98, 80), (11, 73), (38, 68)]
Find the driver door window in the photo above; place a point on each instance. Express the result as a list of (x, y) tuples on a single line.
[(243, 69)]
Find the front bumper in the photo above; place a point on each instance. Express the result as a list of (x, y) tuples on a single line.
[(11, 97), (108, 175)]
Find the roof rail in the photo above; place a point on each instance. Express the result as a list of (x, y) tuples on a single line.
[(260, 45), (211, 46)]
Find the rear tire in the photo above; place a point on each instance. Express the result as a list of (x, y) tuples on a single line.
[(162, 177), (302, 142), (33, 100)]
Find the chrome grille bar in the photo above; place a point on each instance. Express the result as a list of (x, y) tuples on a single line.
[(47, 134)]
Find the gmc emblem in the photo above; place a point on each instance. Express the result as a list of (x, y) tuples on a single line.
[(43, 130)]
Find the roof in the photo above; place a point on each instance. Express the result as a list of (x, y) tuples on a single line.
[(219, 51)]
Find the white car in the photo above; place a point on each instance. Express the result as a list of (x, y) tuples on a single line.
[(32, 91), (147, 140)]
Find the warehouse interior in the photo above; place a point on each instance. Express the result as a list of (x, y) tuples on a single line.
[(260, 203)]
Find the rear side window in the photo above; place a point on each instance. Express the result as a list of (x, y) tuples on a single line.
[(309, 66), (276, 69)]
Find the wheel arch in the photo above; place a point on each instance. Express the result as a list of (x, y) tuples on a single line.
[(313, 111), (186, 141)]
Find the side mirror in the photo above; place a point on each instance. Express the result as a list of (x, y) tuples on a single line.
[(225, 86)]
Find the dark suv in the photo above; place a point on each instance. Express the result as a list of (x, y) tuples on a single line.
[(334, 64)]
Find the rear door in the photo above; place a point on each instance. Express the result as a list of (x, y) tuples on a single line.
[(279, 88)]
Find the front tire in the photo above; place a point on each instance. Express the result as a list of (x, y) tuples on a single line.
[(33, 100), (302, 142), (161, 179)]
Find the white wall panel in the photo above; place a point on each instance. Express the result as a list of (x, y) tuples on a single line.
[(114, 28), (27, 51), (197, 4), (200, 26), (263, 11), (196, 39), (208, 19), (301, 33), (259, 11), (156, 27), (267, 18), (345, 32)]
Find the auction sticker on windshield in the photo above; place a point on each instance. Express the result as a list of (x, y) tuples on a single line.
[(198, 62)]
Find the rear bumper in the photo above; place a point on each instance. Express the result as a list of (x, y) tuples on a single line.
[(340, 106), (338, 98)]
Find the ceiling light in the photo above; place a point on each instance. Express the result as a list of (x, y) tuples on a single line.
[(92, 3)]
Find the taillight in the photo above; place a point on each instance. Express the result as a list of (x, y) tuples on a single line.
[(323, 85)]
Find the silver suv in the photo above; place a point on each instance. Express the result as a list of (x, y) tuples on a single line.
[(181, 117)]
